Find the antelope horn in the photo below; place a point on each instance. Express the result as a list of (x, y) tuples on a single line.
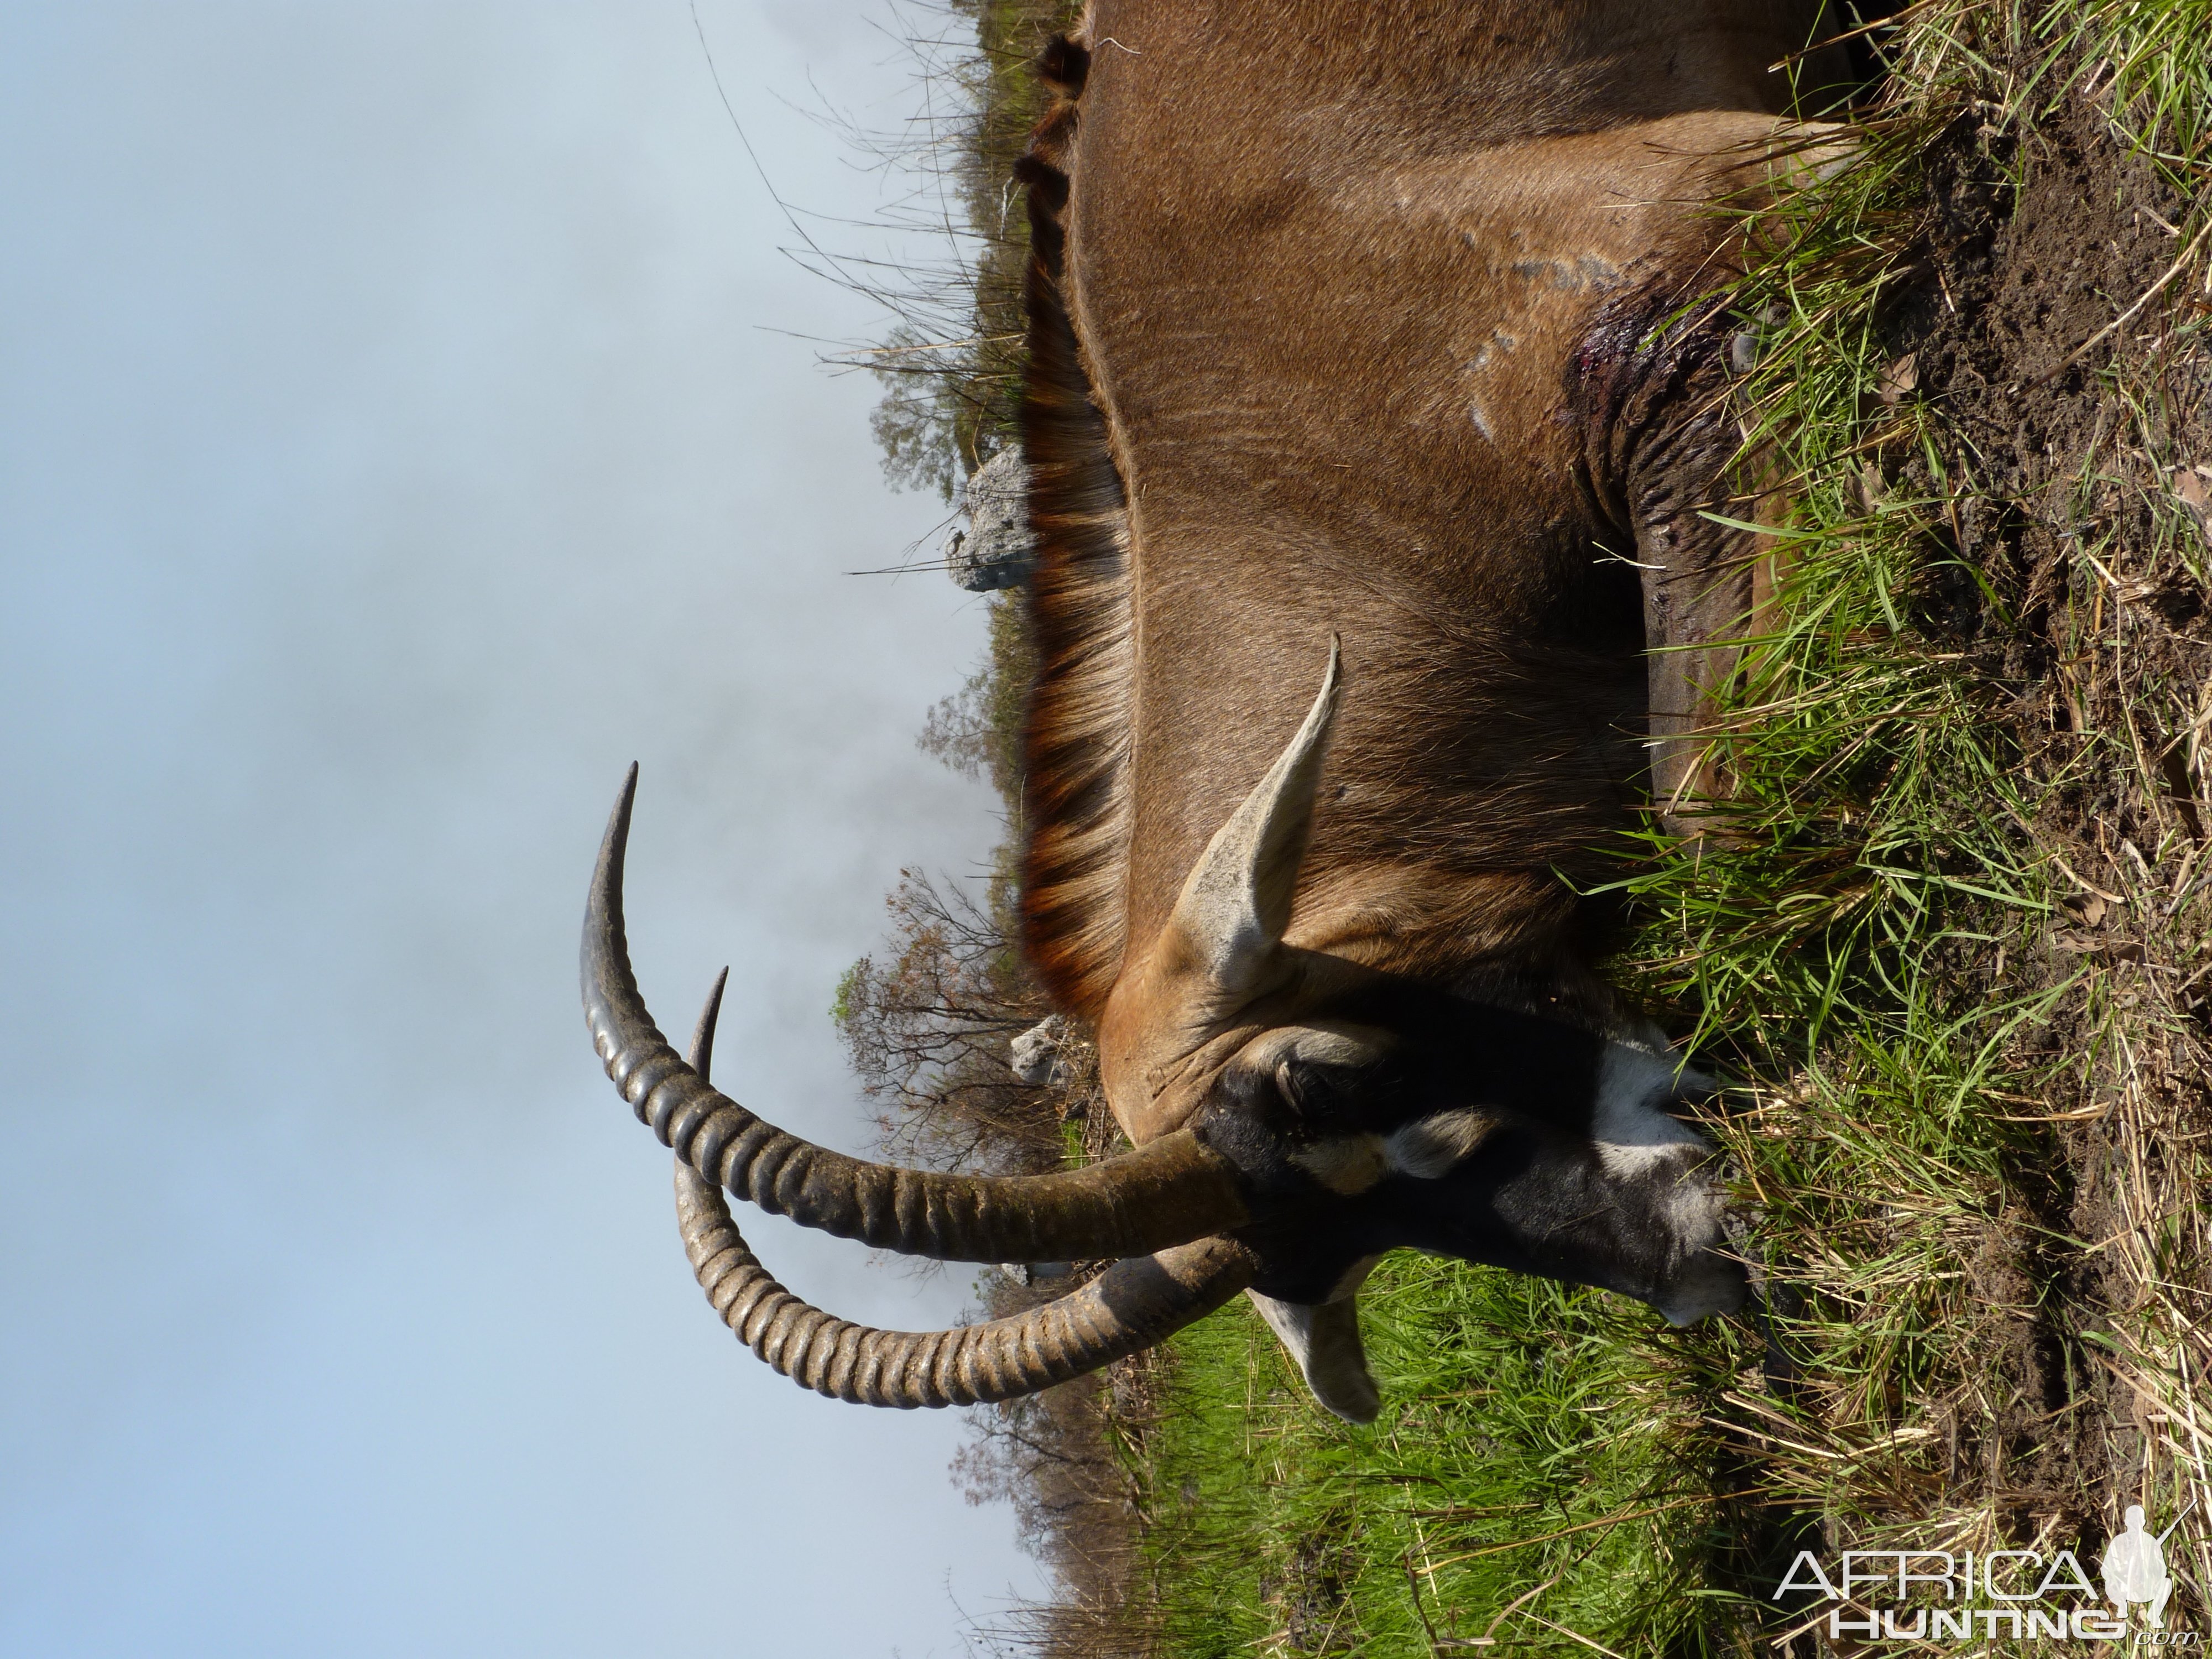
[(1134, 1305), (1235, 903), (1169, 1192)]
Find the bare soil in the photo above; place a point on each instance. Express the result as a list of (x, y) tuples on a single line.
[(2093, 636)]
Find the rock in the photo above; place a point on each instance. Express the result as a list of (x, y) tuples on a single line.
[(1897, 380), (1036, 1055), (2190, 483), (1034, 1274), (997, 548)]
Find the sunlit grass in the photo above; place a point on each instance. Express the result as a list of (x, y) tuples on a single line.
[(1533, 1439)]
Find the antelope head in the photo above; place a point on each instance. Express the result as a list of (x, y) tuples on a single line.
[(1323, 1112)]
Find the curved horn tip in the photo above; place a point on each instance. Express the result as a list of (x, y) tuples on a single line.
[(1324, 704), (606, 954), (617, 836), (604, 902), (701, 1057)]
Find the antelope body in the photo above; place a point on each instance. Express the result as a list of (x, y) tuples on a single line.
[(1370, 335)]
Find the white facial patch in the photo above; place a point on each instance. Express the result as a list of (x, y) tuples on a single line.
[(1638, 1141), (1325, 1042), (1348, 1165), (1432, 1146), (1711, 1284), (1633, 1135), (1477, 365)]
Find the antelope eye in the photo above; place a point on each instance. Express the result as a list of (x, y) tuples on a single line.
[(1311, 1080), (1312, 1092)]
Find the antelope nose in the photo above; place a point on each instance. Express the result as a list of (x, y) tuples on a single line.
[(1712, 1284)]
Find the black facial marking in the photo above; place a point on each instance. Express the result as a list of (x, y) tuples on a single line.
[(1448, 1053), (1534, 1195)]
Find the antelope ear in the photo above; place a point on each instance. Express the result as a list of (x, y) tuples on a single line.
[(1323, 1340), (1237, 902)]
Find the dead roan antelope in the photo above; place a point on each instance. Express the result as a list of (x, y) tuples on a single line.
[(1371, 342)]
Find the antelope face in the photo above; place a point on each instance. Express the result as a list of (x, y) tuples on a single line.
[(1311, 1114), (1376, 1112)]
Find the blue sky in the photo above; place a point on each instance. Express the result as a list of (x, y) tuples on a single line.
[(395, 439)]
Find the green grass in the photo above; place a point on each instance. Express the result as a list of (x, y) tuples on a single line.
[(1835, 946), (1523, 1421)]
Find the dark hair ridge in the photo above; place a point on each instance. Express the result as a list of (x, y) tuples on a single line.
[(1076, 786)]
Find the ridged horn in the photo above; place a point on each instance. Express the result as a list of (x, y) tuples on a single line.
[(1134, 1305), (1169, 1192)]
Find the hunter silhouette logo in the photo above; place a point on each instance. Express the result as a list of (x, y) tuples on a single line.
[(2135, 1567), (1930, 1596)]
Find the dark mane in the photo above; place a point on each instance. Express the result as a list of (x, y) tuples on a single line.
[(1076, 746)]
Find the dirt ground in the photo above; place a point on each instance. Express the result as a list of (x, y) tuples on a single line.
[(2090, 467)]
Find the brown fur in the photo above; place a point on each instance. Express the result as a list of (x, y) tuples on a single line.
[(1309, 280)]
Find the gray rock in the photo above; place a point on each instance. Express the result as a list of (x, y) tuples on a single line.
[(1033, 1273), (997, 548), (1036, 1057)]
